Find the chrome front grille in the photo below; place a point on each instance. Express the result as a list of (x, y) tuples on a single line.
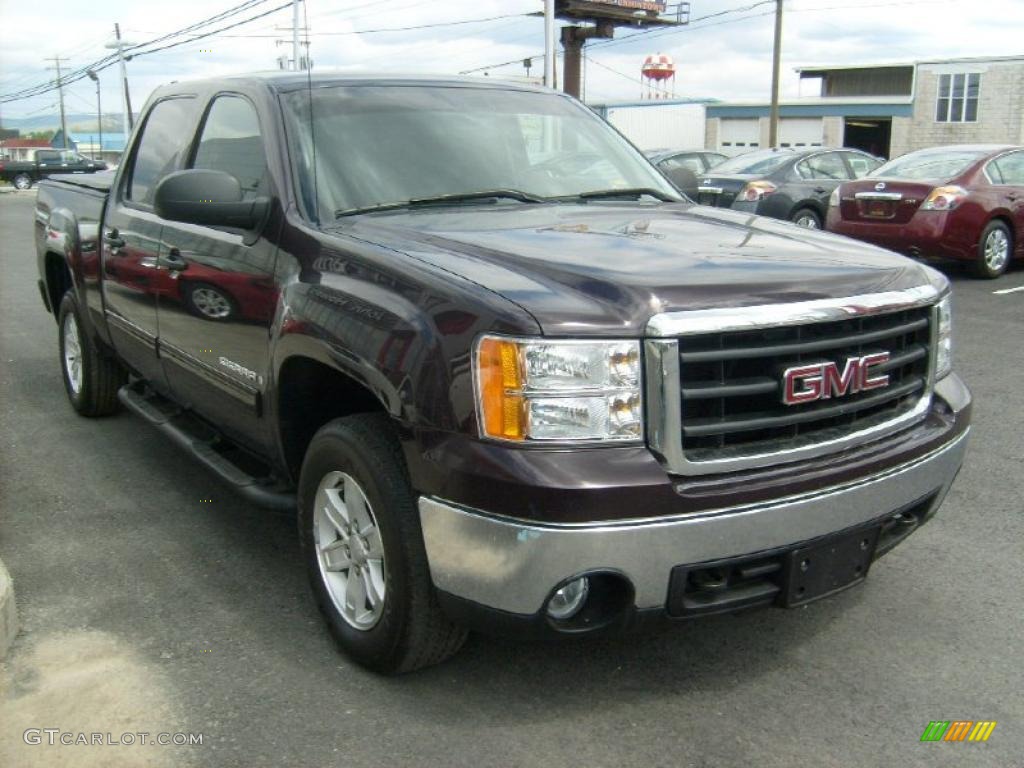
[(715, 389)]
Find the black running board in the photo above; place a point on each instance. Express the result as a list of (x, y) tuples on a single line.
[(174, 423)]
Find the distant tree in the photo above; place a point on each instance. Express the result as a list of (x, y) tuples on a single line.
[(9, 133), (47, 134)]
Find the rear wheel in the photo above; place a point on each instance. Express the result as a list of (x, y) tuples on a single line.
[(364, 552), (22, 181), (806, 218), (208, 301), (91, 379), (994, 250)]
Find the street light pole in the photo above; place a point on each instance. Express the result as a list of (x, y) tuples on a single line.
[(99, 112), (549, 43), (773, 119), (120, 45)]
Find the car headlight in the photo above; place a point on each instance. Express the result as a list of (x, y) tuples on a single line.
[(569, 391), (833, 199), (944, 353)]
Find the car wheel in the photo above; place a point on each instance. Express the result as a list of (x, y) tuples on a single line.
[(208, 301), (91, 378), (806, 218), (363, 546), (22, 181), (994, 250)]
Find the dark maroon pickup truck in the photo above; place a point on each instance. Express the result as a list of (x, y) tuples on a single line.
[(507, 376)]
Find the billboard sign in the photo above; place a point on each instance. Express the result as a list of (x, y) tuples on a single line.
[(636, 5)]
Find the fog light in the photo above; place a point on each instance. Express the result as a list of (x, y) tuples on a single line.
[(568, 600)]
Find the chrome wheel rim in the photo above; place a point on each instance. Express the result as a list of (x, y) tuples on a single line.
[(349, 550), (72, 354), (997, 250), (211, 303), (807, 222), (22, 182)]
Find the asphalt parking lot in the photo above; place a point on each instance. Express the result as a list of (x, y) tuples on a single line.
[(151, 597)]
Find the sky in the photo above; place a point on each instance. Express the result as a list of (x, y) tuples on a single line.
[(725, 56)]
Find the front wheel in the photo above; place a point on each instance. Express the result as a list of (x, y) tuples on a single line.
[(994, 250), (364, 552), (91, 379), (22, 181), (807, 218)]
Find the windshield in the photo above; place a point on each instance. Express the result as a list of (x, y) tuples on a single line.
[(928, 165), (380, 145), (765, 161)]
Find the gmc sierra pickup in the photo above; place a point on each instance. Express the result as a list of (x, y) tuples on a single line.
[(47, 162), (507, 376)]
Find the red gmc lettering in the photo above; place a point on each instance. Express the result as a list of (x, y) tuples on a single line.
[(823, 381)]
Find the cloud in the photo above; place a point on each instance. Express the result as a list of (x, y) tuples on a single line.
[(728, 57)]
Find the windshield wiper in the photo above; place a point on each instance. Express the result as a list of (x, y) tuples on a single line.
[(456, 197), (633, 193)]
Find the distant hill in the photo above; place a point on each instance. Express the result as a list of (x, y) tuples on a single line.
[(77, 122)]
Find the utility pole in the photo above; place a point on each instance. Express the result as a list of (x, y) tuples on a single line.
[(773, 119), (60, 91), (99, 112), (120, 45), (549, 43), (295, 33)]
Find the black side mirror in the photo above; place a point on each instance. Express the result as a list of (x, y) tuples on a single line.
[(210, 198)]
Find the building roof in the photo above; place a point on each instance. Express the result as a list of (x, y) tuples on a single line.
[(20, 142), (815, 71)]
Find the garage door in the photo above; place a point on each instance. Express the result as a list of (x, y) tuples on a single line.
[(738, 134), (800, 131)]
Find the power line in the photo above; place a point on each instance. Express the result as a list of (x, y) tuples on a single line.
[(404, 29), (106, 61)]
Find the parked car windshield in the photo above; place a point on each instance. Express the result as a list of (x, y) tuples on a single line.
[(368, 146), (765, 161), (928, 164)]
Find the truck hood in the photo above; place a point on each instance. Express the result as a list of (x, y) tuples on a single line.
[(605, 269)]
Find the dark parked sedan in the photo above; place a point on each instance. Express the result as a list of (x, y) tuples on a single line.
[(783, 183), (960, 202), (684, 168)]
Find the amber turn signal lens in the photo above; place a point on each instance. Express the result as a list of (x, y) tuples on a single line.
[(500, 377)]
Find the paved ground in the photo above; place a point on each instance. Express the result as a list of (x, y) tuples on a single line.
[(144, 608)]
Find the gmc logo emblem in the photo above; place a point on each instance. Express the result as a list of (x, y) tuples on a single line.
[(823, 381)]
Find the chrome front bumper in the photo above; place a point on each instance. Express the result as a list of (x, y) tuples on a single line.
[(513, 565)]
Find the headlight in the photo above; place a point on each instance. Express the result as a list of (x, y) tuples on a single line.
[(944, 353), (533, 390), (833, 199)]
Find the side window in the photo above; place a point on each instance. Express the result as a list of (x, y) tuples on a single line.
[(683, 162), (231, 142), (827, 166), (861, 165), (1008, 169), (163, 140), (47, 157)]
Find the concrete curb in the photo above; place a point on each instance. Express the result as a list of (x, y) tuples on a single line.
[(8, 611)]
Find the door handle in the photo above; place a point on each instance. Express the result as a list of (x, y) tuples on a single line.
[(113, 239), (172, 260), (820, 190)]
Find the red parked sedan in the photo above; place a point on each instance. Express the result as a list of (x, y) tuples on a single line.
[(960, 202)]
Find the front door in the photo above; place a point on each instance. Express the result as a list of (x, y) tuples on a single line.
[(215, 325), (132, 279)]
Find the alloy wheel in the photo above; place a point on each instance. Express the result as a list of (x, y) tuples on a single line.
[(211, 303), (349, 550), (72, 354), (997, 250)]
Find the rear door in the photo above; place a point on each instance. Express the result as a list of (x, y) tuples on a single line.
[(132, 279), (1007, 175), (214, 328), (818, 175)]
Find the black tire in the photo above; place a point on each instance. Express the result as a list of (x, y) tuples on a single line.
[(806, 214), (984, 267), (22, 181), (203, 309), (100, 375), (412, 631)]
